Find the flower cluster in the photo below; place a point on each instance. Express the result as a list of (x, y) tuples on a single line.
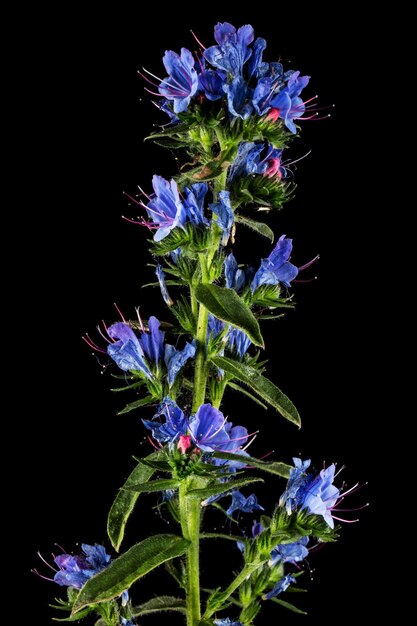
[(233, 72)]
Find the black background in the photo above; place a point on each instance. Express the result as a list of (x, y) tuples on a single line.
[(85, 114)]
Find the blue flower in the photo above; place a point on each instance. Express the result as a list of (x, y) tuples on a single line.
[(255, 64), (214, 326), (276, 268), (287, 101), (174, 425), (298, 482), (240, 503), (208, 428), (321, 495), (162, 284), (176, 359), (224, 213), (210, 431), (289, 552), (165, 208), (271, 81), (282, 585), (74, 571), (239, 341), (127, 352), (211, 81), (232, 50), (182, 80), (226, 622), (152, 342), (256, 158), (239, 97), (126, 622), (194, 203), (235, 277), (317, 494), (125, 597)]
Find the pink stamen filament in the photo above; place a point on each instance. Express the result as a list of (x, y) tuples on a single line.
[(46, 562), (92, 345), (197, 40), (304, 267), (119, 312)]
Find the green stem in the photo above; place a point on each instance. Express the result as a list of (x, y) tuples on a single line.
[(240, 578), (190, 525)]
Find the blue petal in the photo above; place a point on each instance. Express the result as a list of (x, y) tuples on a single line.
[(127, 352), (225, 216), (287, 273), (153, 341), (162, 284), (207, 428), (176, 359), (223, 32), (256, 58)]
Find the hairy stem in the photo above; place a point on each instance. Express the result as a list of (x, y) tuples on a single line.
[(224, 595), (190, 524)]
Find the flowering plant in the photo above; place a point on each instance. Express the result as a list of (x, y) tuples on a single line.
[(233, 114)]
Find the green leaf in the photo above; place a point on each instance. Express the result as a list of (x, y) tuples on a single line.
[(135, 405), (129, 567), (227, 306), (73, 618), (154, 485), (260, 227), (219, 488), (289, 606), (159, 605), (247, 394), (261, 385), (233, 538), (125, 501), (272, 467)]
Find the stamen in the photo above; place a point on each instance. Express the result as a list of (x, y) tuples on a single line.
[(119, 312), (304, 267), (46, 562), (197, 40)]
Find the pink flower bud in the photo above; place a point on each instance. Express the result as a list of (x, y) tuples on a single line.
[(184, 443), (273, 115), (273, 168)]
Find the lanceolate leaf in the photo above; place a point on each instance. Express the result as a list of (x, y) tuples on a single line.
[(153, 485), (227, 306), (261, 385), (137, 404), (125, 501), (272, 467), (247, 394), (129, 567), (159, 605), (215, 490), (259, 227), (289, 606)]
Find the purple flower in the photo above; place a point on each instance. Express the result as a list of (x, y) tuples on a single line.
[(127, 352), (182, 80), (165, 208), (226, 622), (74, 571), (289, 552), (282, 585), (287, 101), (276, 268), (152, 342), (240, 503), (224, 213), (174, 424), (162, 284), (176, 359), (232, 50), (256, 158), (321, 495)]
